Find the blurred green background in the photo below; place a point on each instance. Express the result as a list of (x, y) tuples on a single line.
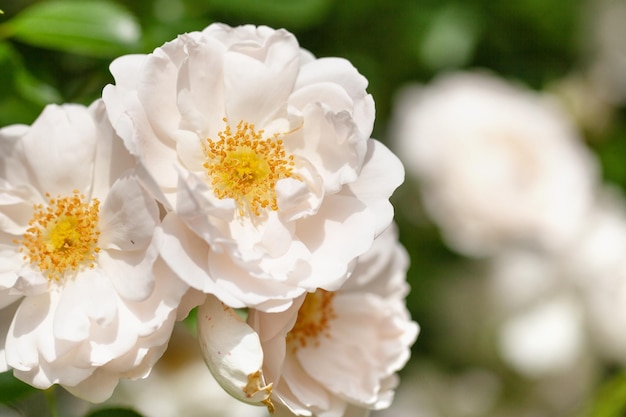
[(55, 52)]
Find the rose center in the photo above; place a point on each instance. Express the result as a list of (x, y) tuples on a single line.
[(62, 236), (314, 317), (245, 166)]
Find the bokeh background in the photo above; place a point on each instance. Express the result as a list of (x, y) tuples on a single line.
[(463, 363)]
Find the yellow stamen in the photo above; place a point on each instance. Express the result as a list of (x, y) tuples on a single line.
[(245, 166), (314, 317), (62, 236)]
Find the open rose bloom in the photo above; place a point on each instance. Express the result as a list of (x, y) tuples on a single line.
[(84, 299), (335, 354), (227, 169), (331, 354), (262, 156)]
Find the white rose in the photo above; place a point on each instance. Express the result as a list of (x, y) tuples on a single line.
[(337, 353), (497, 165), (262, 155), (84, 299), (596, 265)]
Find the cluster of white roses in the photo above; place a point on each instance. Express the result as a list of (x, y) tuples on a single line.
[(228, 169), (505, 174), (499, 166)]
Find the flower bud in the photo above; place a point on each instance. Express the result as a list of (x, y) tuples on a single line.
[(232, 350)]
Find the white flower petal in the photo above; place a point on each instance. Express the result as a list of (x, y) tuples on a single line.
[(24, 342), (153, 312), (128, 216), (200, 98), (129, 272), (300, 198), (13, 168), (134, 126), (160, 104), (6, 317), (10, 262), (195, 197), (341, 72), (328, 141), (252, 70), (387, 258), (237, 283), (57, 129), (111, 157), (16, 205), (233, 353), (304, 388), (382, 173), (29, 282), (88, 298), (347, 230), (185, 253), (96, 388)]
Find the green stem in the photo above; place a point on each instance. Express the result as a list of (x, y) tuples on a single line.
[(51, 399)]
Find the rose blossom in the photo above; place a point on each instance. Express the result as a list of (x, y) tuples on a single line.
[(497, 165), (336, 353), (262, 156), (595, 264), (84, 299)]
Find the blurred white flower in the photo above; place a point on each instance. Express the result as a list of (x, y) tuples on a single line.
[(336, 353), (518, 279), (84, 298), (428, 391), (540, 319), (545, 339), (595, 263), (263, 154), (590, 272), (497, 165)]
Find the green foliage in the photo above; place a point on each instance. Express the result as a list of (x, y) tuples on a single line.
[(12, 389), (295, 14), (92, 28), (449, 38), (610, 399), (611, 152), (22, 95)]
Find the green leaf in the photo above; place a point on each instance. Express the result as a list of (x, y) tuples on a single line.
[(287, 13), (9, 61), (12, 389), (35, 90), (114, 412), (19, 83), (610, 399), (95, 28), (450, 38)]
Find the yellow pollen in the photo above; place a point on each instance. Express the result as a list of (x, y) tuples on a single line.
[(314, 317), (62, 236), (245, 166)]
